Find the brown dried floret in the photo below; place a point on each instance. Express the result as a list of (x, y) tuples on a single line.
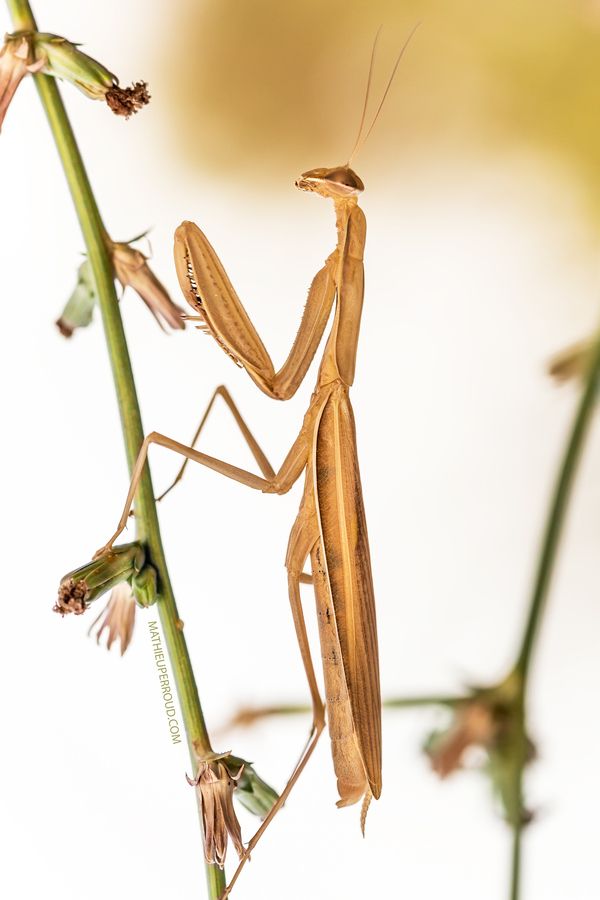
[(71, 597), (65, 329), (127, 101)]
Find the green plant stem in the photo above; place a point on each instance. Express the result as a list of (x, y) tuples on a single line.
[(517, 804), (547, 558), (558, 510), (515, 877), (293, 709), (146, 517), (410, 702)]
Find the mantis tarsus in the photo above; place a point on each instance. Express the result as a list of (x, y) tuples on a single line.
[(330, 526)]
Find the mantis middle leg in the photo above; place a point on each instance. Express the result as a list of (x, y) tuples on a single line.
[(255, 448), (261, 460), (279, 483)]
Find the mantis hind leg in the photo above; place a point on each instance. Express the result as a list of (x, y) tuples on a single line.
[(304, 534)]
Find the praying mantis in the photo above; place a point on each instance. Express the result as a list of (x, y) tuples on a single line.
[(330, 527)]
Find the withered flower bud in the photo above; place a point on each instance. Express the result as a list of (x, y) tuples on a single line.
[(144, 587), (83, 585), (118, 616), (65, 60), (132, 269), (17, 59), (216, 783), (255, 794)]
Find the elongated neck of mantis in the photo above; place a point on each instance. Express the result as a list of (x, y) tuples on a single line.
[(343, 208), (340, 351)]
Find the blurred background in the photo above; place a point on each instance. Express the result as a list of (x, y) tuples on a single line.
[(482, 199)]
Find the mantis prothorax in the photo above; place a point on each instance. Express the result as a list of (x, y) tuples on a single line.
[(331, 526)]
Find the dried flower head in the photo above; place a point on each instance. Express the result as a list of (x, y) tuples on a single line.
[(132, 269), (216, 784), (490, 719), (473, 725), (65, 60), (572, 362), (83, 585), (118, 616), (72, 596), (17, 59), (125, 101)]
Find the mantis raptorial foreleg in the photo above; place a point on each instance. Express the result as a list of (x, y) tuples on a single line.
[(209, 291)]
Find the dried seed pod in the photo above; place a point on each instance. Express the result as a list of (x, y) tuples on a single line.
[(132, 269), (17, 59), (216, 784)]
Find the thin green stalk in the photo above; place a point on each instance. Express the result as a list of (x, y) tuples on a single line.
[(261, 712), (146, 517), (409, 702), (558, 509), (517, 805), (541, 586), (515, 878)]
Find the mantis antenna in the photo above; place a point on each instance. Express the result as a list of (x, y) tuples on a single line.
[(360, 141), (365, 104)]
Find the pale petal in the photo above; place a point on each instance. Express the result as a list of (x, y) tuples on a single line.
[(118, 617)]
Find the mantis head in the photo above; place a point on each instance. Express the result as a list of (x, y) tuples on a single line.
[(337, 183), (342, 182)]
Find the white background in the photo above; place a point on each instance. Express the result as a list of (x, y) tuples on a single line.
[(476, 272)]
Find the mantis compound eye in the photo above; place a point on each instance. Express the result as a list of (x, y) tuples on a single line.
[(347, 177)]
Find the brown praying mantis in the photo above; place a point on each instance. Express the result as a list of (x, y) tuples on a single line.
[(331, 526)]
